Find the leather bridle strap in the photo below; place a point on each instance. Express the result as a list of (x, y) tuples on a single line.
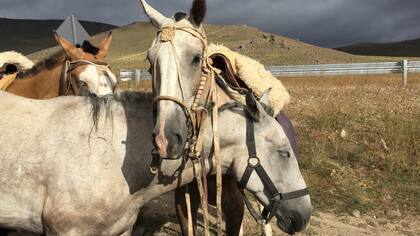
[(275, 197), (67, 81)]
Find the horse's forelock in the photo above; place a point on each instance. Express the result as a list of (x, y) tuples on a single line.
[(89, 48), (180, 16)]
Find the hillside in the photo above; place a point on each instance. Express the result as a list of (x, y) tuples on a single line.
[(28, 36), (130, 44), (408, 48)]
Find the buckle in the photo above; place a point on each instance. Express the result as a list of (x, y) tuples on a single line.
[(253, 161)]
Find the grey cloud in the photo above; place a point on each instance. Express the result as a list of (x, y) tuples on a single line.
[(321, 22)]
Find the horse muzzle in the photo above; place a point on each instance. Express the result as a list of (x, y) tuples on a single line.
[(293, 216)]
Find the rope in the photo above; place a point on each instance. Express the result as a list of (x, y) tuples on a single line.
[(218, 160), (188, 203)]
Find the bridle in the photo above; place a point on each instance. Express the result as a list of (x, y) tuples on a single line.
[(276, 198), (193, 145), (67, 81), (166, 35)]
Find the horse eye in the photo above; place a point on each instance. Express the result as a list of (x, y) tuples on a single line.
[(196, 59), (284, 154)]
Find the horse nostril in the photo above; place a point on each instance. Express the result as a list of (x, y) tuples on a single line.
[(178, 138)]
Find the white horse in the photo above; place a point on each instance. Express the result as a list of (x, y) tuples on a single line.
[(62, 173), (180, 62)]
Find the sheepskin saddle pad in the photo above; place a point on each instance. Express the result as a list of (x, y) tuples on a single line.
[(14, 58), (243, 74)]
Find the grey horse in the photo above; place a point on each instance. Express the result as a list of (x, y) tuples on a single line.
[(177, 56), (80, 166)]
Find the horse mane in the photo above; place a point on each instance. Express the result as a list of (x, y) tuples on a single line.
[(47, 63), (128, 99), (54, 59), (90, 48)]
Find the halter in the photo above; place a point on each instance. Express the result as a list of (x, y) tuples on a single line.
[(67, 81), (276, 198)]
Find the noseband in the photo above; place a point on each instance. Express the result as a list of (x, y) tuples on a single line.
[(67, 81)]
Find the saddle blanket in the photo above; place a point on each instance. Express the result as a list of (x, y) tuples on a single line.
[(250, 74)]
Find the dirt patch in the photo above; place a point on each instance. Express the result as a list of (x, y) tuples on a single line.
[(159, 218)]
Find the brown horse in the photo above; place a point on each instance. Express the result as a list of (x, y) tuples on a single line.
[(68, 72)]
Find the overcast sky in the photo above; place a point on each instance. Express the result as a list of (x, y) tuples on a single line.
[(326, 23)]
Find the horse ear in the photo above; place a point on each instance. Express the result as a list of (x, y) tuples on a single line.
[(68, 47), (198, 12), (104, 46), (252, 106), (265, 98), (157, 19)]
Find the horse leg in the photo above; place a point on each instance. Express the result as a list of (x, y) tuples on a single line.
[(232, 206), (181, 207)]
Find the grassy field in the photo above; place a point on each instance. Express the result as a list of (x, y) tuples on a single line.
[(29, 36), (130, 43), (359, 140), (375, 166)]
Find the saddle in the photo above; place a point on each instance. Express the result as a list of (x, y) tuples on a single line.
[(244, 74)]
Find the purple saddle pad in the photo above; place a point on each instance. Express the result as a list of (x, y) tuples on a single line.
[(287, 126)]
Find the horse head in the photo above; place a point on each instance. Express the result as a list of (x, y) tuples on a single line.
[(87, 64), (176, 57)]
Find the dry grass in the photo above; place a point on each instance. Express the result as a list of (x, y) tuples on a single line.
[(359, 171), (130, 44), (376, 166)]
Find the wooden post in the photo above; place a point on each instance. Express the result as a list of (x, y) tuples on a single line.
[(137, 75), (405, 71)]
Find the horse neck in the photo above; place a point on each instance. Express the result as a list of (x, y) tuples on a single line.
[(44, 84)]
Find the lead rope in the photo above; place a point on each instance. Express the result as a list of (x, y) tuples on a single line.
[(189, 216), (218, 160)]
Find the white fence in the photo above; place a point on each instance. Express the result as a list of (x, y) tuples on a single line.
[(404, 67)]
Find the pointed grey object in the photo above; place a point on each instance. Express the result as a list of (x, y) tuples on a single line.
[(73, 31)]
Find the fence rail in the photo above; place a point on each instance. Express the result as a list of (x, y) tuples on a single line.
[(404, 67)]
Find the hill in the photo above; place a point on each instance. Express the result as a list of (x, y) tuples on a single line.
[(130, 43), (408, 48), (28, 36)]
